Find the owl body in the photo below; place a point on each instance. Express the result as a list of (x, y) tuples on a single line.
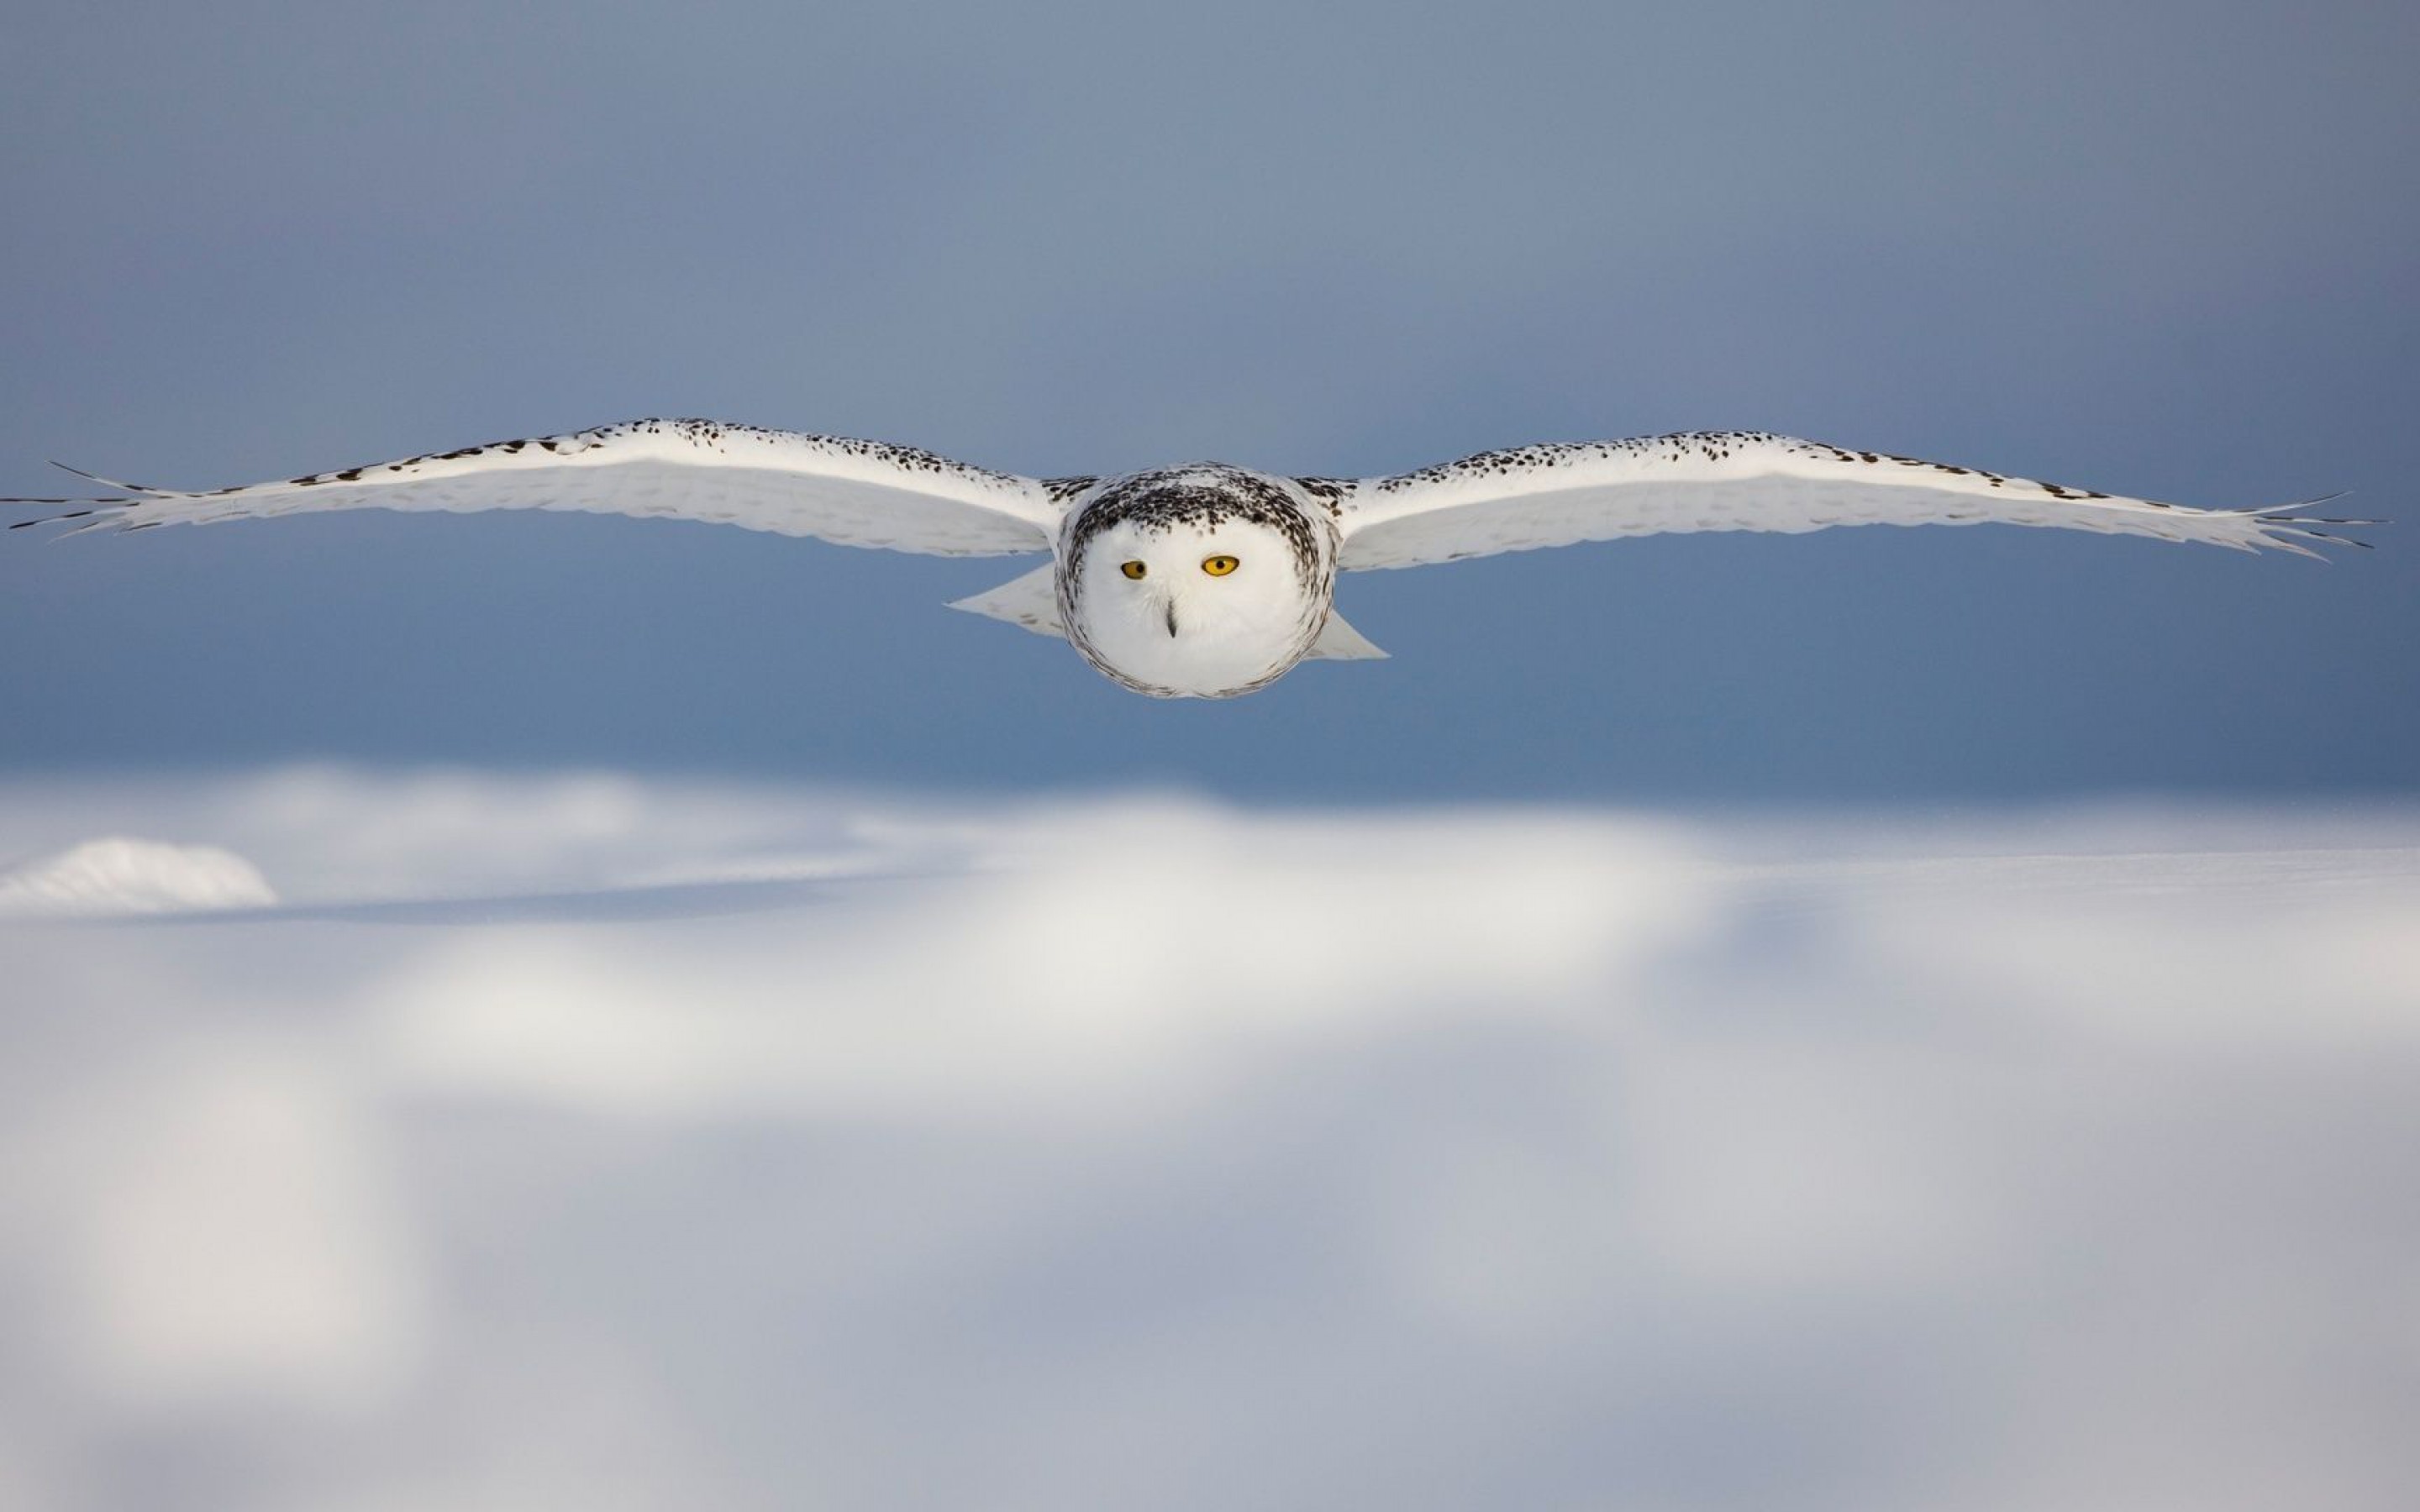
[(1197, 581)]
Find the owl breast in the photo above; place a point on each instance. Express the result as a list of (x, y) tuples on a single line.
[(1202, 582)]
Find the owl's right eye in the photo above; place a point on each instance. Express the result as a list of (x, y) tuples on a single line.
[(1132, 569)]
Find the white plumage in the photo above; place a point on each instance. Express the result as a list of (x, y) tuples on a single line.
[(850, 493), (1541, 496), (1236, 569)]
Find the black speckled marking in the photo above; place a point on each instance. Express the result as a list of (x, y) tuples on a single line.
[(1713, 445), (706, 435), (710, 435), (1201, 496), (1329, 492), (1837, 453)]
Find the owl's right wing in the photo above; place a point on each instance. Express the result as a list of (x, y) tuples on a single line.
[(1541, 496), (851, 492)]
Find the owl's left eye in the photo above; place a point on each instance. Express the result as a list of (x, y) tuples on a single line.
[(1217, 566)]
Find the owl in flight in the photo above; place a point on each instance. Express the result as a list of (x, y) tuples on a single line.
[(1206, 580)]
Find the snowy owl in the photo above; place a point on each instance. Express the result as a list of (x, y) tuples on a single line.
[(1206, 580)]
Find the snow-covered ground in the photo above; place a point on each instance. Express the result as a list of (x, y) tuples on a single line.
[(472, 1142)]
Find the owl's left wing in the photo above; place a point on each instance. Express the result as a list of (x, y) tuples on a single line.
[(1541, 496), (852, 492)]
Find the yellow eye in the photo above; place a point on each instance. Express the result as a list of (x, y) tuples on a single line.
[(1217, 566), (1132, 569)]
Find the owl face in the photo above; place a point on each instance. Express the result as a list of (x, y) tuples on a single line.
[(1199, 604)]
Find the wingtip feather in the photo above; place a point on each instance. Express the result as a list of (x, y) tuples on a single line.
[(108, 482)]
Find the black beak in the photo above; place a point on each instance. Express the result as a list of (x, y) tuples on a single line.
[(1171, 621)]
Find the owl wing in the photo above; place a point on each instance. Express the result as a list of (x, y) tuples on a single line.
[(852, 492), (1540, 496)]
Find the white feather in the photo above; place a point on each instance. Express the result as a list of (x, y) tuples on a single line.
[(851, 492), (1542, 496), (1340, 642), (1030, 601)]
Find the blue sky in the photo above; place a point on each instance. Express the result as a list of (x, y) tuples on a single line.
[(2163, 250)]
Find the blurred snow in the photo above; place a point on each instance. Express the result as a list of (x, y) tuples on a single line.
[(592, 1141), (118, 875)]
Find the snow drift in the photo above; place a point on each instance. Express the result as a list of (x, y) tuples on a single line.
[(593, 1141)]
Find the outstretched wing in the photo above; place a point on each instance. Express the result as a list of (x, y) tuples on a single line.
[(1540, 496), (853, 492)]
